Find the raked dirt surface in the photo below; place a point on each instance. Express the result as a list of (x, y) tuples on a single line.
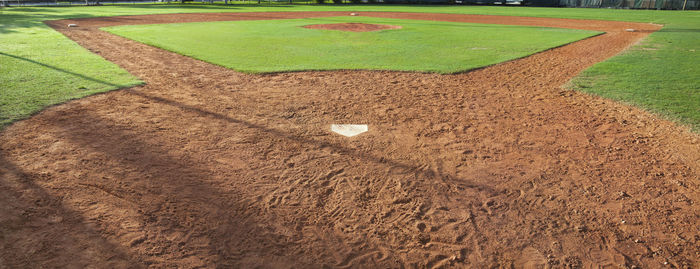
[(208, 167)]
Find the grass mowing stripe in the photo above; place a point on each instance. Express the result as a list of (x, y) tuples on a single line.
[(284, 45)]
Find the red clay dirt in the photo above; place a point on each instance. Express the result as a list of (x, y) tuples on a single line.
[(352, 27), (208, 167)]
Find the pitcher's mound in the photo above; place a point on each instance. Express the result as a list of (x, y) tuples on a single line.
[(352, 27)]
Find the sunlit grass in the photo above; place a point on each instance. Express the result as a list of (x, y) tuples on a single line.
[(284, 45), (40, 67)]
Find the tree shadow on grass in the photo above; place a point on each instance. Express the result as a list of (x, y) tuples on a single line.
[(64, 70), (12, 112)]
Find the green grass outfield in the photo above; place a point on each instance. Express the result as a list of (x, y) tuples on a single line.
[(284, 45), (40, 67)]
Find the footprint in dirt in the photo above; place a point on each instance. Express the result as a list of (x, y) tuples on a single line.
[(531, 258)]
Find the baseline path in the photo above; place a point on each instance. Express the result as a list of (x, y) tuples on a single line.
[(205, 166)]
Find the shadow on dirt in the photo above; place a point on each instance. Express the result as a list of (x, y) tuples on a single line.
[(33, 220), (340, 149)]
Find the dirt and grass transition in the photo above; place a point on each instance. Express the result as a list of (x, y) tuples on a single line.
[(37, 58), (206, 166), (286, 45)]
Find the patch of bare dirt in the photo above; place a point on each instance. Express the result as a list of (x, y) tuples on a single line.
[(205, 166), (352, 27)]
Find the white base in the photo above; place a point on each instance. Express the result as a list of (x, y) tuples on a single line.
[(349, 129)]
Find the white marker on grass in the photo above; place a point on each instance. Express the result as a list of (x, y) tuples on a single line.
[(349, 130)]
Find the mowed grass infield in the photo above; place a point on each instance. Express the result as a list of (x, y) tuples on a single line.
[(40, 67), (284, 45)]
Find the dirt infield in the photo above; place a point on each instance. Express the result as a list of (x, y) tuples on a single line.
[(205, 166), (353, 27)]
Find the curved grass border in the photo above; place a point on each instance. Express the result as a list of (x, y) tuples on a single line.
[(676, 40), (283, 45)]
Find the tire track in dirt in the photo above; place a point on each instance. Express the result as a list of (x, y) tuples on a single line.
[(217, 168)]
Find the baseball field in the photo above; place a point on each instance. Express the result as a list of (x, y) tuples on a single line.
[(199, 135)]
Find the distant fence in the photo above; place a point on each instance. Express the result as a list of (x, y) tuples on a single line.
[(67, 2), (638, 4), (625, 4), (110, 2)]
